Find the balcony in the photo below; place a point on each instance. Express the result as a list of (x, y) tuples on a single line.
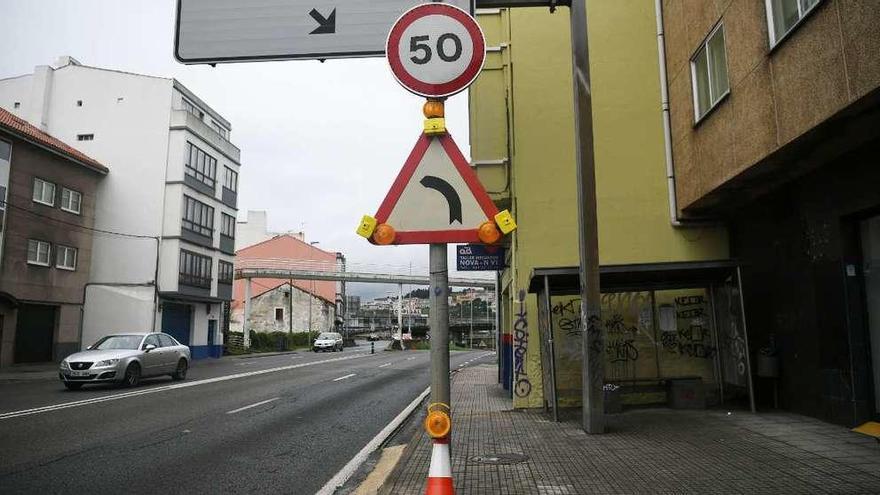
[(181, 119)]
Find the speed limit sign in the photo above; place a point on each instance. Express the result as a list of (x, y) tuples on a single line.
[(436, 50)]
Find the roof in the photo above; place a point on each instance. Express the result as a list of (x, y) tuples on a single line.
[(22, 130), (637, 277)]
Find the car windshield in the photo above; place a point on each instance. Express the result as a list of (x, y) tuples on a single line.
[(325, 336), (118, 342)]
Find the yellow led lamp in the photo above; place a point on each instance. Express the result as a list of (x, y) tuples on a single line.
[(437, 422)]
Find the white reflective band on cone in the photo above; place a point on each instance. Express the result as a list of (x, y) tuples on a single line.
[(440, 462), (440, 472)]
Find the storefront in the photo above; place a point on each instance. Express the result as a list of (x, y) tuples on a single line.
[(674, 334)]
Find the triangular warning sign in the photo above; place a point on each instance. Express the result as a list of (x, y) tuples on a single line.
[(437, 197)]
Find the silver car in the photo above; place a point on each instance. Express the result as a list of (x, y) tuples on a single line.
[(125, 359), (328, 341)]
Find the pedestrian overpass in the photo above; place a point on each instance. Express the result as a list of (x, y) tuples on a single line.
[(286, 269)]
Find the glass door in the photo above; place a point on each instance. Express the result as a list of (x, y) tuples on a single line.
[(871, 256)]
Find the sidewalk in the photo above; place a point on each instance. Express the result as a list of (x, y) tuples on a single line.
[(644, 451)]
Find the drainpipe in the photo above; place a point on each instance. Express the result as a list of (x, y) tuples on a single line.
[(667, 130)]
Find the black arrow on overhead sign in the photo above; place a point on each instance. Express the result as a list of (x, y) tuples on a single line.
[(448, 192), (326, 25)]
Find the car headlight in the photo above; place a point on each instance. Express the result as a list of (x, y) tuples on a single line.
[(64, 365), (106, 362)]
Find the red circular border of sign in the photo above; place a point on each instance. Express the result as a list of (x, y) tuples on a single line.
[(454, 86)]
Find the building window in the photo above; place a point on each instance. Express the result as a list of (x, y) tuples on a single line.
[(38, 253), (279, 314), (200, 165), (227, 225), (85, 137), (198, 217), (226, 273), (784, 15), (191, 108), (219, 129), (709, 73), (71, 201), (44, 192), (194, 270), (230, 179), (17, 104), (65, 257)]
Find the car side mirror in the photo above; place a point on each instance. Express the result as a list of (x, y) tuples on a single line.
[(149, 347)]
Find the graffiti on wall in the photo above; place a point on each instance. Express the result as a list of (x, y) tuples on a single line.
[(692, 337), (522, 387)]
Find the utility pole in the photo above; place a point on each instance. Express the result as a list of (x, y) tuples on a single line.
[(439, 323), (593, 365), (400, 314), (471, 334)]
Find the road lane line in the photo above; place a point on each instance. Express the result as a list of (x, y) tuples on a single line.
[(410, 358), (384, 365), (245, 408), (349, 469), (344, 377), (125, 395)]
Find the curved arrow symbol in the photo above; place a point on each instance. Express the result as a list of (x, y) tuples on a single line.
[(448, 192)]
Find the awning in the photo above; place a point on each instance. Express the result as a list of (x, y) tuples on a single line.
[(565, 281)]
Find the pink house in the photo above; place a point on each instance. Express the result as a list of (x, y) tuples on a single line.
[(271, 308)]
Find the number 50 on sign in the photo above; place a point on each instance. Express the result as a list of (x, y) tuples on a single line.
[(436, 50)]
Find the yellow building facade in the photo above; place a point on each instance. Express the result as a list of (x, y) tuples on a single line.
[(522, 146)]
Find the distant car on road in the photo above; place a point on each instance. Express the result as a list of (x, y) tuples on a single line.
[(125, 359), (328, 341)]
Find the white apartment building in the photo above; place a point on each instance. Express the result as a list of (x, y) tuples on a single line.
[(174, 185)]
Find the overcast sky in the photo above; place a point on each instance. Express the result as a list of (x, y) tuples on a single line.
[(320, 142)]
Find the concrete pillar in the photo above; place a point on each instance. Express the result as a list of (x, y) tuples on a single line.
[(245, 324)]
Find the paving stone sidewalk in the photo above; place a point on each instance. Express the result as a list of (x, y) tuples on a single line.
[(644, 451)]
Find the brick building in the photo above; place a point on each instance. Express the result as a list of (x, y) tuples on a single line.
[(774, 110), (47, 191)]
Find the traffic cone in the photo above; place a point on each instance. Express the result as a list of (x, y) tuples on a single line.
[(440, 472)]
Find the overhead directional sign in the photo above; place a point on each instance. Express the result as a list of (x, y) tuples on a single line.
[(436, 50), (220, 31), (436, 197)]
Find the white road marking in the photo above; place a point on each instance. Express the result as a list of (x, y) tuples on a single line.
[(344, 377), (349, 469), (384, 365), (245, 408), (410, 358), (125, 395)]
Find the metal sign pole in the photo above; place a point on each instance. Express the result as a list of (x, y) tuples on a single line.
[(588, 237), (439, 323)]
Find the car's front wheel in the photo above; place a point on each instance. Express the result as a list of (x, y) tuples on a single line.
[(180, 372), (73, 385), (132, 375)]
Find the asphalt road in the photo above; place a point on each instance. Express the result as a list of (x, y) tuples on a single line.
[(279, 424)]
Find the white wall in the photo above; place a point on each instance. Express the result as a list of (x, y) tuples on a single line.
[(16, 89), (116, 309), (130, 116)]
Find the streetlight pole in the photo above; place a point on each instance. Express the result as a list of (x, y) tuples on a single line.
[(311, 297), (471, 335)]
